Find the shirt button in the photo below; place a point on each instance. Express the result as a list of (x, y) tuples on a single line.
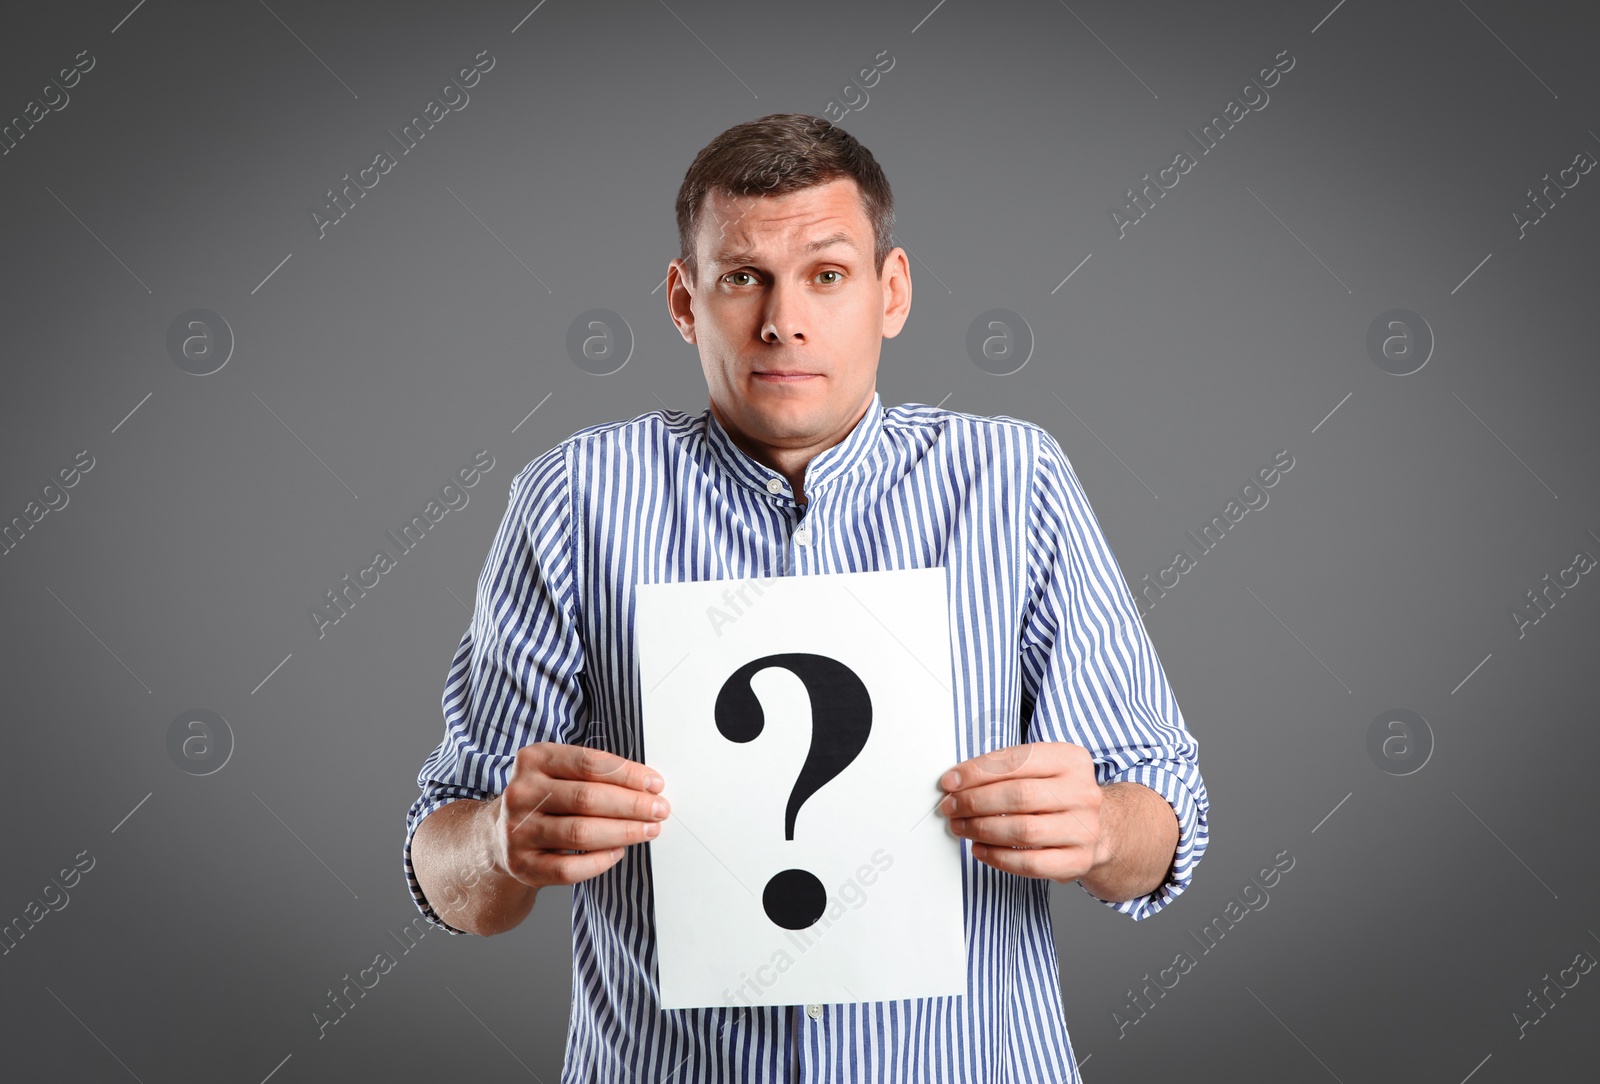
[(814, 1011), (803, 535), (774, 485)]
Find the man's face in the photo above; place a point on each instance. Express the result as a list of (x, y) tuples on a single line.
[(789, 312)]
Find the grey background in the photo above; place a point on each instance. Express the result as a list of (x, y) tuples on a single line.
[(373, 363)]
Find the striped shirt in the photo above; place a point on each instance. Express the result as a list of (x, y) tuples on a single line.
[(1047, 646)]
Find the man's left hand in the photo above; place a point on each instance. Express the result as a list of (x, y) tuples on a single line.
[(1032, 809)]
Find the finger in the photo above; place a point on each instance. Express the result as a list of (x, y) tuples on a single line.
[(553, 867), (1047, 863), (566, 797), (1025, 795), (1004, 761), (1024, 830), (1015, 761), (514, 812), (586, 763), (586, 833)]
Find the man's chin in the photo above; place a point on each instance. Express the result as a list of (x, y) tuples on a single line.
[(779, 423), (787, 398)]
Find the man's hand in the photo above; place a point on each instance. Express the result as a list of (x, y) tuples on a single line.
[(565, 816), (568, 811), (1036, 810)]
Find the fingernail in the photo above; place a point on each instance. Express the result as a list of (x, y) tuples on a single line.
[(658, 808), (950, 780), (654, 784), (948, 804), (652, 830)]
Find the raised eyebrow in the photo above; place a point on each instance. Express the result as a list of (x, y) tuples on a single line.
[(833, 239), (736, 259)]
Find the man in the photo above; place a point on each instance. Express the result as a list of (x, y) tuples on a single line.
[(1075, 761)]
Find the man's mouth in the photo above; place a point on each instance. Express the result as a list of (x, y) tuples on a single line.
[(783, 374)]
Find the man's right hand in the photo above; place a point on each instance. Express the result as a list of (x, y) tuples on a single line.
[(568, 811), (566, 815)]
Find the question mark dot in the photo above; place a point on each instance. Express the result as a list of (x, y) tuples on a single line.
[(794, 899)]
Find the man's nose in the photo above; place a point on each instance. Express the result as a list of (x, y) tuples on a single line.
[(784, 320)]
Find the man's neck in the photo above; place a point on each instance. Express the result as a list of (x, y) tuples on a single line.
[(789, 462)]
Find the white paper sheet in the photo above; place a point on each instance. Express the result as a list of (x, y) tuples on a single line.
[(872, 649)]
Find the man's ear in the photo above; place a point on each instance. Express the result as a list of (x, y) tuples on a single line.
[(896, 281), (680, 297)]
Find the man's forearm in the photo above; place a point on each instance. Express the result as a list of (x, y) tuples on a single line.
[(454, 865), (1142, 831)]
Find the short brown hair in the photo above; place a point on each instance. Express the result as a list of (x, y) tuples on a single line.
[(779, 153)]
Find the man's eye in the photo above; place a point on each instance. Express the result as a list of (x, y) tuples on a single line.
[(746, 274), (828, 273)]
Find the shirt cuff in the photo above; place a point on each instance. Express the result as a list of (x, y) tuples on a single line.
[(431, 799), (1190, 803)]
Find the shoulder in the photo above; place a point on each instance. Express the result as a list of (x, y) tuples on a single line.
[(1014, 439), (1000, 447), (652, 428), (652, 423)]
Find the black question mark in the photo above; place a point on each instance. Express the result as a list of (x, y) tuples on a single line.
[(841, 720)]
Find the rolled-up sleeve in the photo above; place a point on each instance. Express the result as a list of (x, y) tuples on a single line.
[(515, 678), (1092, 673)]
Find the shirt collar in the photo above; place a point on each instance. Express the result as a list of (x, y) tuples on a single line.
[(825, 466)]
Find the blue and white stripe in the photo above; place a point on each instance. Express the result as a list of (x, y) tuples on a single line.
[(1040, 618)]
